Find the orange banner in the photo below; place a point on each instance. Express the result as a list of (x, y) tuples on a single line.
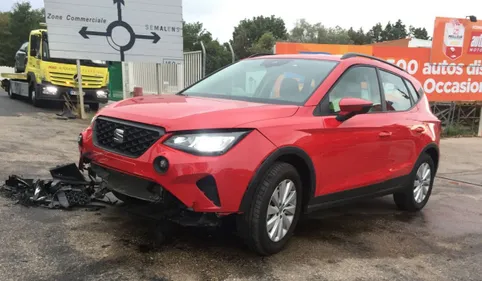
[(456, 41), (329, 49), (442, 81)]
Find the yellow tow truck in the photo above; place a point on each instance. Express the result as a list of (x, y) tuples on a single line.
[(41, 78)]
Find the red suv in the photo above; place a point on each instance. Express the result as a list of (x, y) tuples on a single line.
[(268, 139)]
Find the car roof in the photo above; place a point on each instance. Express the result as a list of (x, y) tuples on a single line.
[(300, 56), (352, 58)]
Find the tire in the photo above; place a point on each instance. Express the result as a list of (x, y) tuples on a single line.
[(10, 93), (32, 95), (252, 225), (94, 106), (406, 199)]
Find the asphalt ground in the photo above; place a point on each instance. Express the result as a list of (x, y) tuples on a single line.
[(370, 240)]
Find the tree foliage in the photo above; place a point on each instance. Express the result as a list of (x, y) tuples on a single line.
[(217, 55), (15, 27), (419, 33), (249, 31)]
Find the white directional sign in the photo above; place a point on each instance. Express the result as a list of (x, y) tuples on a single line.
[(115, 30)]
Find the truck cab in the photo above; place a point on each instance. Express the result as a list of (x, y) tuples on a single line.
[(42, 78)]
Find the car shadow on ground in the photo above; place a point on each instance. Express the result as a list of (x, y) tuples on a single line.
[(339, 226)]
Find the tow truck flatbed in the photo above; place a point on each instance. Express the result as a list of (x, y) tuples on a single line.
[(15, 76)]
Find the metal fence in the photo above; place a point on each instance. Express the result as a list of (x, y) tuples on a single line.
[(166, 78)]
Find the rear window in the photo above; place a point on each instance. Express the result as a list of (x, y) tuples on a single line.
[(273, 80)]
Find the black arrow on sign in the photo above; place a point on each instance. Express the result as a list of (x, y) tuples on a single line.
[(119, 8), (83, 31), (155, 38)]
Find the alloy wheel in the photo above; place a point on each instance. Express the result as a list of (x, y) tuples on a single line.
[(421, 185), (281, 210)]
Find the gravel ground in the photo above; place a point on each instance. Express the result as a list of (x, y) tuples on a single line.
[(370, 240)]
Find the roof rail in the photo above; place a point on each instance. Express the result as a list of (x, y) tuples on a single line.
[(352, 55), (259, 55)]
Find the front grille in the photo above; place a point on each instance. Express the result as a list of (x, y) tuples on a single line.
[(64, 79), (123, 137)]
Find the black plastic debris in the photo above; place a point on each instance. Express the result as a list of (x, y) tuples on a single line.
[(68, 188)]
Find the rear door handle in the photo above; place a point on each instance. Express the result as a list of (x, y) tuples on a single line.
[(419, 129), (385, 134)]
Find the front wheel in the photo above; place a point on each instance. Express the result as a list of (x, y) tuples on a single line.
[(274, 211), (419, 188), (33, 96)]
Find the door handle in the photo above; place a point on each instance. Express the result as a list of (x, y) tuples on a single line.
[(385, 134), (419, 130)]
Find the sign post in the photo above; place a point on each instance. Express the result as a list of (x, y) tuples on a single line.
[(116, 30), (80, 92)]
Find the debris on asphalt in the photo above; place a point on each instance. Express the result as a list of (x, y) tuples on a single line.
[(68, 188)]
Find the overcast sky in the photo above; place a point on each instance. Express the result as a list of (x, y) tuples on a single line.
[(220, 16)]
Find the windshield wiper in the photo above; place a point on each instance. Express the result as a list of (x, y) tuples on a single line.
[(181, 94)]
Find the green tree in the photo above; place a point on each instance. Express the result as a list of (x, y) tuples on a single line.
[(22, 20), (217, 55), (375, 33), (399, 30), (5, 42), (249, 31), (264, 44), (419, 33), (306, 32), (359, 37)]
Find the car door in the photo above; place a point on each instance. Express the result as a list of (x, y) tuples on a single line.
[(405, 127), (353, 153), (34, 51)]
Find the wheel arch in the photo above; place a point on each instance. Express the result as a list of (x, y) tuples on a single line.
[(433, 151), (291, 155), (31, 78)]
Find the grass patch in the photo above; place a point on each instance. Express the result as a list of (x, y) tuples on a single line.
[(458, 131)]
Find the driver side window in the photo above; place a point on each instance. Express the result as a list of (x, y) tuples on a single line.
[(357, 82)]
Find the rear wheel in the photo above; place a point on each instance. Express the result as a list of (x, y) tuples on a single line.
[(417, 192), (274, 211), (10, 92)]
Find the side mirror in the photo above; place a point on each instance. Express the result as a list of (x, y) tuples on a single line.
[(350, 107)]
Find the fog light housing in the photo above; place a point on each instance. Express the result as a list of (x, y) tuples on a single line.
[(50, 90), (102, 94), (161, 164)]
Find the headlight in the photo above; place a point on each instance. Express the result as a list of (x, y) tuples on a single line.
[(215, 143), (101, 94), (50, 90)]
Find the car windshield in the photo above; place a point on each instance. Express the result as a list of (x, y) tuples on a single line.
[(272, 80)]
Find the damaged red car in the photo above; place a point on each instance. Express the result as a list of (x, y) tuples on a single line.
[(268, 139)]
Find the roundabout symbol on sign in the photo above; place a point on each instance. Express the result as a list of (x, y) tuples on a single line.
[(116, 28)]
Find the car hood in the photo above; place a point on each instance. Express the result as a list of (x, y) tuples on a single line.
[(175, 112)]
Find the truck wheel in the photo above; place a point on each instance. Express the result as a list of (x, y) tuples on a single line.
[(94, 106), (10, 93), (274, 212), (33, 96)]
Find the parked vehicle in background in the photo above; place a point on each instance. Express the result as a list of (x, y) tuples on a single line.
[(268, 139), (42, 78)]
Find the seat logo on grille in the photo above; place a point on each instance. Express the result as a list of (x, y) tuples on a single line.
[(119, 136)]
